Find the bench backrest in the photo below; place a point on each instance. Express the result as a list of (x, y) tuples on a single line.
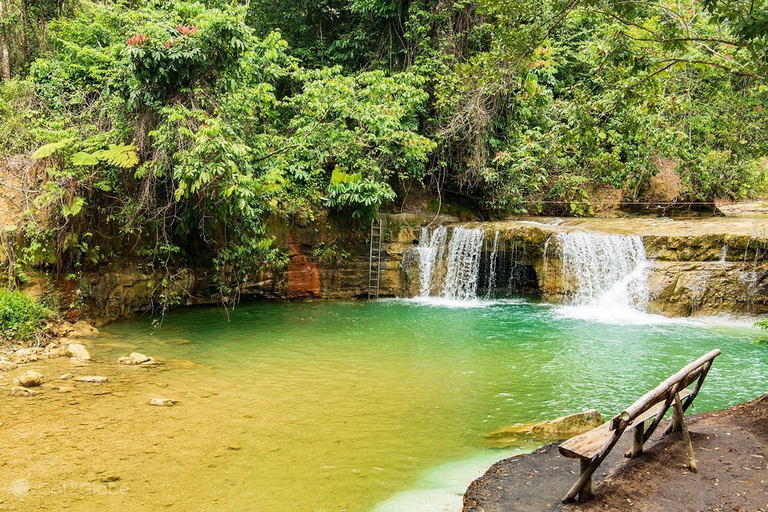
[(667, 389)]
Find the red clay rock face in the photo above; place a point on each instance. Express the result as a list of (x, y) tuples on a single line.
[(303, 278)]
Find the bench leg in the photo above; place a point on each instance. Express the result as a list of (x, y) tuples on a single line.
[(637, 441), (588, 467), (677, 417), (585, 494), (686, 434)]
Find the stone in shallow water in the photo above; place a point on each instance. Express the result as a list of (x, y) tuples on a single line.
[(78, 351), (91, 378), (6, 365), (82, 329), (30, 379), (564, 427), (52, 351), (19, 391), (138, 358), (162, 402), (23, 356)]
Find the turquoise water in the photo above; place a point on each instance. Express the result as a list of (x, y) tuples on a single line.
[(355, 405)]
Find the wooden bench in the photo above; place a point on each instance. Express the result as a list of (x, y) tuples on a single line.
[(594, 446)]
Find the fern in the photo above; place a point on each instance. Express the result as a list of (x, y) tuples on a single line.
[(120, 155), (49, 149), (83, 158), (74, 207)]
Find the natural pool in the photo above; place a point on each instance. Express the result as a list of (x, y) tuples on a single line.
[(355, 406)]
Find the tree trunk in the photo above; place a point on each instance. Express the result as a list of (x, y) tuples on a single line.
[(5, 58)]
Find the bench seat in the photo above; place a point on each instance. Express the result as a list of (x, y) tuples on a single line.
[(589, 444)]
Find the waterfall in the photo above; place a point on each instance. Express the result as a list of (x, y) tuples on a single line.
[(430, 252), (606, 270), (492, 265), (517, 276), (463, 264), (724, 254)]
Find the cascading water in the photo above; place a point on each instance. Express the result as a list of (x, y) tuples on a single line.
[(491, 284), (463, 266), (430, 253), (606, 270)]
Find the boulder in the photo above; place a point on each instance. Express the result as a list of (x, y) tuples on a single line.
[(30, 379), (23, 356), (137, 358), (19, 391), (82, 329), (91, 378), (52, 352), (554, 430), (78, 351), (6, 365), (162, 402)]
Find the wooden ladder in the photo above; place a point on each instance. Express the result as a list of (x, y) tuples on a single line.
[(374, 261)]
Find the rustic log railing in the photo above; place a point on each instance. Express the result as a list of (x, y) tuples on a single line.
[(594, 446)]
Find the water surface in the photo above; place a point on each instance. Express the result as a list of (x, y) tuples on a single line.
[(354, 406)]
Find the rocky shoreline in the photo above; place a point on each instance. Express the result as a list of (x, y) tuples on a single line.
[(64, 343), (731, 449)]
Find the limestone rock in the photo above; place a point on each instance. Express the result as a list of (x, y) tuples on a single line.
[(78, 351), (6, 365), (23, 356), (558, 429), (91, 378), (162, 402), (52, 352), (83, 329), (19, 391), (138, 358), (568, 426), (30, 379)]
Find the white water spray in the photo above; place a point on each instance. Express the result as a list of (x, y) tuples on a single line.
[(463, 266), (609, 271), (492, 265), (430, 251)]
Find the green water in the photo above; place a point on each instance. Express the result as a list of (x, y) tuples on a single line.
[(351, 405)]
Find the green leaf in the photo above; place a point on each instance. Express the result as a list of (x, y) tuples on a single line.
[(121, 155), (74, 207), (83, 158), (49, 149)]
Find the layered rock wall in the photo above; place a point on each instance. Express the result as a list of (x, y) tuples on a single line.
[(691, 274)]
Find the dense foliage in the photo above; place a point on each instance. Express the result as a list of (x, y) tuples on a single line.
[(173, 130), (21, 317)]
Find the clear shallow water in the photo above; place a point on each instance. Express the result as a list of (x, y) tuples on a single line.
[(329, 406)]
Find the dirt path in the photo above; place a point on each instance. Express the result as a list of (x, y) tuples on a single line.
[(731, 452)]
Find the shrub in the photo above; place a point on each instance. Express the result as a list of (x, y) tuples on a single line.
[(21, 317)]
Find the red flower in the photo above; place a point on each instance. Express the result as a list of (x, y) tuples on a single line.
[(168, 43)]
